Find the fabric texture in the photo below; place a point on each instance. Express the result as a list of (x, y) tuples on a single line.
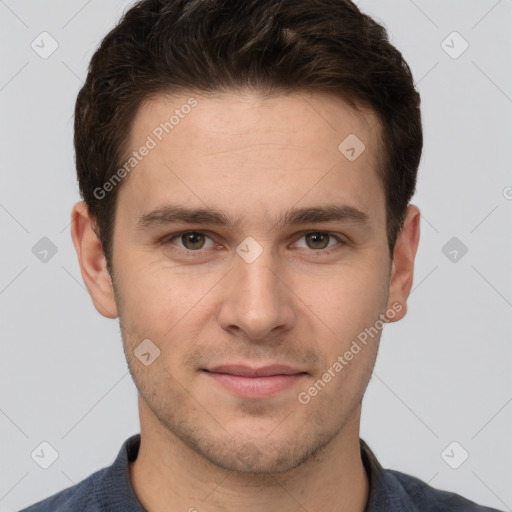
[(110, 489)]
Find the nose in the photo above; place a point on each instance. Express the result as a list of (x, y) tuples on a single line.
[(256, 300)]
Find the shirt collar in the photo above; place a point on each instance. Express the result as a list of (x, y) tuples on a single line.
[(119, 493), (386, 492)]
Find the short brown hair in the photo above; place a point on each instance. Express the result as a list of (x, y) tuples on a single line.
[(273, 46)]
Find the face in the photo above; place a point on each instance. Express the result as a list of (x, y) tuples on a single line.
[(251, 251)]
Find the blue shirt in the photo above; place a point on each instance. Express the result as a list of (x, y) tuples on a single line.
[(110, 489)]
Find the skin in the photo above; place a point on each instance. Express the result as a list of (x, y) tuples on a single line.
[(203, 446)]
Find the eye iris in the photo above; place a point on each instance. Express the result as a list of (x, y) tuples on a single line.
[(315, 238), (192, 240)]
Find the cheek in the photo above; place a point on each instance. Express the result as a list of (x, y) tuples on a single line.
[(162, 303), (346, 299)]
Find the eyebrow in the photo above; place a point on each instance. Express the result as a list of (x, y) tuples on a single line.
[(173, 214)]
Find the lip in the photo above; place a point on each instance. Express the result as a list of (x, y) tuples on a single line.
[(263, 371), (260, 382)]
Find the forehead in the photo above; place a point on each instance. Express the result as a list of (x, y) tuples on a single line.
[(232, 118), (237, 150)]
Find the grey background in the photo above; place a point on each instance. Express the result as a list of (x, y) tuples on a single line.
[(443, 374)]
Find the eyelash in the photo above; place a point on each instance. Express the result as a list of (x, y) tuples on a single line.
[(169, 239)]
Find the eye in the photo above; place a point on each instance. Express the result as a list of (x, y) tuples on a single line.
[(319, 240), (191, 241), (198, 242)]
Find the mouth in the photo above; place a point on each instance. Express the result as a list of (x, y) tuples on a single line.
[(260, 382)]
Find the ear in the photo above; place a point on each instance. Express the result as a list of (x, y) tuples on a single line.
[(91, 259), (403, 263)]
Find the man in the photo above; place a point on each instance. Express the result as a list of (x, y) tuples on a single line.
[(246, 170)]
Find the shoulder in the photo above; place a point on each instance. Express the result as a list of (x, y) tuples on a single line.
[(79, 497), (108, 488), (429, 499), (394, 491)]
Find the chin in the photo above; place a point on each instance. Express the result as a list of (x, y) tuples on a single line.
[(260, 456)]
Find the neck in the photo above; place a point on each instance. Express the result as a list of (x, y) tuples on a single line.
[(168, 476)]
